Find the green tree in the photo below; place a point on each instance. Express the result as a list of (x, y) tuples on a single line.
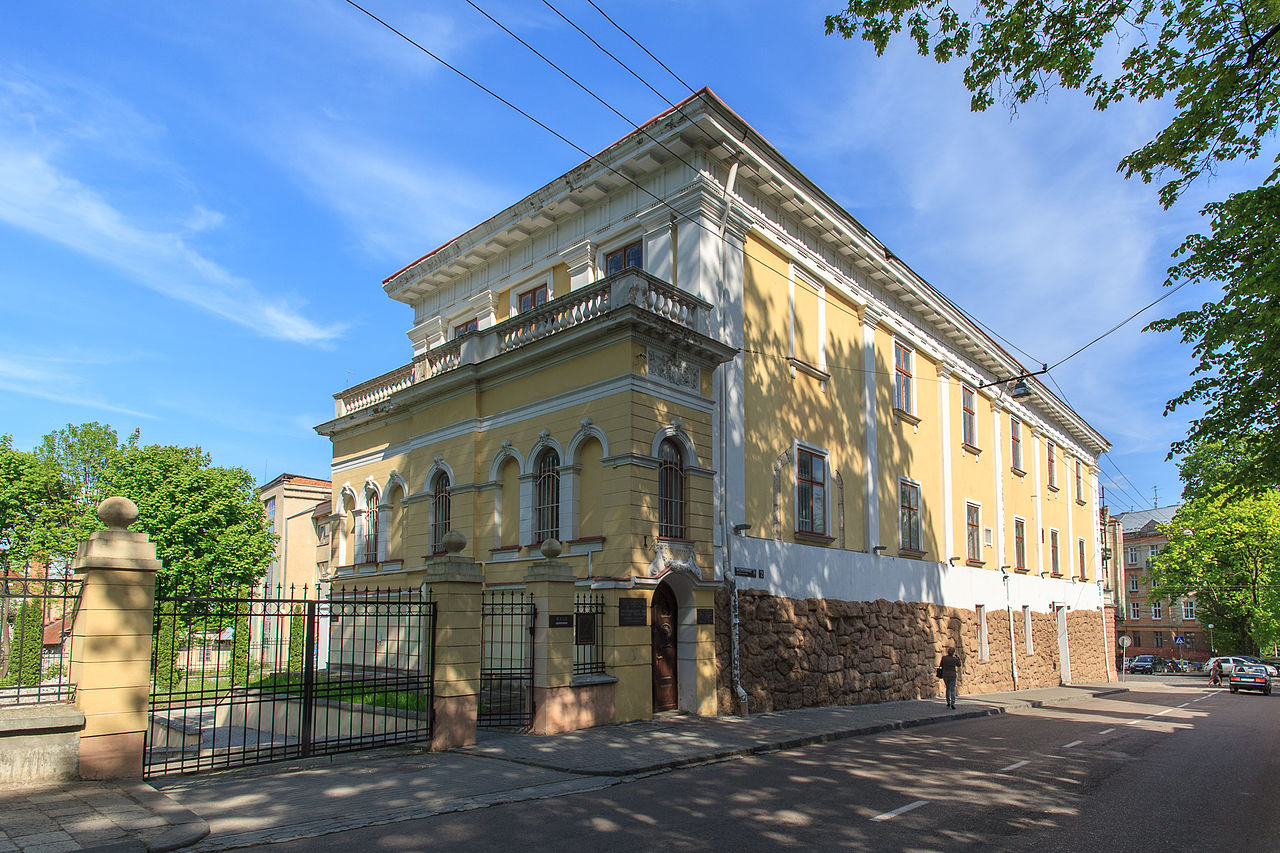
[(1226, 552), (297, 638), (1217, 63), (24, 663), (84, 454), (167, 674), (206, 522), (240, 645), (35, 511)]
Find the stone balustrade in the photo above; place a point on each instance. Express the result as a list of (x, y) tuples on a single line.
[(631, 287)]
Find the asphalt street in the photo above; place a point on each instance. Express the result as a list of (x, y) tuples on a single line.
[(1170, 766)]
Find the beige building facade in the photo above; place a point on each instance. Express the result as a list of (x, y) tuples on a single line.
[(709, 384)]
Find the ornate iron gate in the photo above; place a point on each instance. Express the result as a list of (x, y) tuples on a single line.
[(238, 681), (506, 659)]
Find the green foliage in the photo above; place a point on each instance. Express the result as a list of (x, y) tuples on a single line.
[(23, 666), (1217, 63), (240, 649), (1237, 339), (83, 455), (1226, 552), (35, 511), (297, 638), (167, 675)]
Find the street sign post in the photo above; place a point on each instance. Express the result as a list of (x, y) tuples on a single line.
[(1124, 642)]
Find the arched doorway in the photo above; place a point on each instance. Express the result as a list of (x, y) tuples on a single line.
[(665, 626)]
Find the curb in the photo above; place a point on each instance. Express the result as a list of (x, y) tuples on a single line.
[(810, 740), (186, 827)]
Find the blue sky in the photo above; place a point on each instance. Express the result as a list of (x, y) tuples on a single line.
[(198, 202)]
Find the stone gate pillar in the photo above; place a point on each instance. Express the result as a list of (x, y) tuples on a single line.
[(456, 584), (111, 642)]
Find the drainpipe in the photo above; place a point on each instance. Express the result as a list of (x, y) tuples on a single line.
[(731, 580), (1008, 609)]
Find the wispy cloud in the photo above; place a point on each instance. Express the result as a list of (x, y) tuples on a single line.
[(41, 195), (47, 379), (396, 203)]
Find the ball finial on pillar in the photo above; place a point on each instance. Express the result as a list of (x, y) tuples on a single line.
[(117, 512)]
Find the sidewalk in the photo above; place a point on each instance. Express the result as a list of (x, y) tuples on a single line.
[(300, 800), (290, 800)]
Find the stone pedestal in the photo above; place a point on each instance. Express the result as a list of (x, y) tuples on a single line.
[(456, 584), (111, 643)]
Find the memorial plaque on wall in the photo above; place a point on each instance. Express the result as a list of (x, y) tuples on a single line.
[(585, 630), (561, 620), (706, 616), (632, 612)]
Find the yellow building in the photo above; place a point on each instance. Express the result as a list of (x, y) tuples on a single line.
[(715, 389)]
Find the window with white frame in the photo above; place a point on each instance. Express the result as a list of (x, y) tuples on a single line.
[(984, 650), (1133, 582), (909, 516), (1156, 611), (631, 255), (440, 510), (1015, 443), (371, 526), (903, 367), (1189, 609), (1054, 564), (1083, 575), (1133, 556), (546, 491), (968, 418), (1079, 482), (531, 299), (670, 490), (811, 491), (973, 532), (1019, 543), (1135, 610), (1051, 453), (1026, 628), (472, 325)]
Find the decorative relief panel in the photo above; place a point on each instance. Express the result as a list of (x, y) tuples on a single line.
[(673, 369)]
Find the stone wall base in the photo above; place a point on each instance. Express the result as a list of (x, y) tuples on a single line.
[(455, 721), (578, 706), (113, 756), (39, 743), (812, 652)]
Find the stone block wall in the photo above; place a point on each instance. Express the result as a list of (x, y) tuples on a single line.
[(812, 652)]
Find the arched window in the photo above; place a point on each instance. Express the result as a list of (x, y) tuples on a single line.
[(439, 511), (670, 491), (546, 491), (371, 527)]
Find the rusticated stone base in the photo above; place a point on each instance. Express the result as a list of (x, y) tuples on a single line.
[(812, 652)]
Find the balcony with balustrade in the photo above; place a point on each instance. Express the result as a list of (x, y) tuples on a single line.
[(668, 313)]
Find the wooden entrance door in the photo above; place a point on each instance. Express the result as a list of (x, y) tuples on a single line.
[(664, 622)]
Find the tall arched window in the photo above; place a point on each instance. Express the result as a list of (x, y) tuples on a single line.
[(439, 511), (546, 491), (371, 527), (670, 490)]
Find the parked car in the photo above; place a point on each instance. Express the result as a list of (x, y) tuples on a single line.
[(1230, 662), (1146, 664), (1249, 676)]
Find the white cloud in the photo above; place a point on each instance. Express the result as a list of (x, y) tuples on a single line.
[(43, 197), (397, 204), (45, 379)]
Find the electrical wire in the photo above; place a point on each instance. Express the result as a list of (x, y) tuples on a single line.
[(1121, 324)]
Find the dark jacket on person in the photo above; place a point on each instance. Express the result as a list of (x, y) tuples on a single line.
[(950, 665)]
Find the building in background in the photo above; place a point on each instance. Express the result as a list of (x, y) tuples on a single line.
[(712, 386), (1153, 625), (297, 512)]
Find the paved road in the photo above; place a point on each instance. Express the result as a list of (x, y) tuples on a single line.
[(1171, 766)]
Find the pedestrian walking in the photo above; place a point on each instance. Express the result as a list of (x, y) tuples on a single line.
[(1215, 673), (949, 671)]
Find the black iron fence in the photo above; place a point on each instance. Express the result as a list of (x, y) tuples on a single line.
[(287, 674), (36, 616), (506, 659), (588, 619)]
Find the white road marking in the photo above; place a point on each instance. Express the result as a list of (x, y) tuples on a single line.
[(1165, 711), (1133, 722), (1014, 766), (1073, 743), (1184, 704), (1106, 731), (900, 810)]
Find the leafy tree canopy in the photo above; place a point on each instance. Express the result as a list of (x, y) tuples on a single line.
[(206, 522), (1217, 64)]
